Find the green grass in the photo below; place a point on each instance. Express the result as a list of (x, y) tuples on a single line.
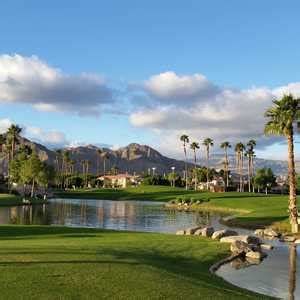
[(13, 200), (45, 262), (252, 210)]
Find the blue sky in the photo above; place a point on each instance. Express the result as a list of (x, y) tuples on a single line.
[(236, 45)]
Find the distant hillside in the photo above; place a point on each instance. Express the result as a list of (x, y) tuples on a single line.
[(139, 158), (278, 166)]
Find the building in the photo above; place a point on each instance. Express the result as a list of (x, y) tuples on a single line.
[(119, 181), (217, 185)]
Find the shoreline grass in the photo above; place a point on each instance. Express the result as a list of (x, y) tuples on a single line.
[(14, 200), (48, 262)]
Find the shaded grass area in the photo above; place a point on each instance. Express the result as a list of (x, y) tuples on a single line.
[(13, 200), (40, 262), (252, 210)]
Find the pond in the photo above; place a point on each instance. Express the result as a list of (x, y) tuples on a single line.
[(274, 276), (119, 215)]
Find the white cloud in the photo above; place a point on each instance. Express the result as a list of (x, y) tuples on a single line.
[(192, 104), (30, 80), (4, 124), (52, 138), (168, 87)]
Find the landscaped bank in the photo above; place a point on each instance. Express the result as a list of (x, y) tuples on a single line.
[(13, 200), (40, 262), (251, 210)]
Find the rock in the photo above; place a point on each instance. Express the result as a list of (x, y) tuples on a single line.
[(198, 232), (270, 232), (240, 247), (221, 233), (259, 232), (287, 238), (207, 231), (253, 261), (244, 238), (192, 230), (255, 255), (266, 247), (180, 232)]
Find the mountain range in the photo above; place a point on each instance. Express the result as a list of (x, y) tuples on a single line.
[(136, 158)]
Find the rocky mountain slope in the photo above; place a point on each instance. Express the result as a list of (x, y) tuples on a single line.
[(141, 158)]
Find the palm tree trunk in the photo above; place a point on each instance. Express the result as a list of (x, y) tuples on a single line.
[(185, 165), (32, 189), (252, 172), (292, 184), (227, 163), (292, 270), (104, 166), (195, 159), (249, 175), (207, 174)]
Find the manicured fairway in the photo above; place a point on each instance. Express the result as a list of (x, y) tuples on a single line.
[(252, 210), (39, 262)]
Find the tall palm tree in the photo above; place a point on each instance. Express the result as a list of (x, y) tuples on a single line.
[(13, 134), (250, 155), (99, 154), (208, 143), (281, 117), (239, 150), (226, 145), (185, 140), (194, 147), (2, 142), (105, 156)]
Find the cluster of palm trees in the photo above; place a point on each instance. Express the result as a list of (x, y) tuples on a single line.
[(64, 166), (241, 151), (9, 141)]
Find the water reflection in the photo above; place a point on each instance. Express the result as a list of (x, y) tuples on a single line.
[(292, 271), (274, 276), (120, 215)]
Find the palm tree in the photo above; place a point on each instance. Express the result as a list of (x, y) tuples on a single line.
[(105, 156), (250, 155), (13, 133), (185, 140), (2, 142), (226, 145), (99, 153), (281, 117), (194, 147), (239, 150), (208, 143)]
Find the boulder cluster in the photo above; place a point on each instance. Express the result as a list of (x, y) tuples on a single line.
[(249, 246)]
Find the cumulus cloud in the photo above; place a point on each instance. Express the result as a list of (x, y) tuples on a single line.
[(29, 80), (51, 138), (170, 88), (192, 104)]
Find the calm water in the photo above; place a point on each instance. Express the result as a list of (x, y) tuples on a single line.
[(275, 276), (120, 215)]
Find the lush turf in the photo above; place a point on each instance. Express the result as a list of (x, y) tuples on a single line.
[(13, 200), (252, 210), (39, 262)]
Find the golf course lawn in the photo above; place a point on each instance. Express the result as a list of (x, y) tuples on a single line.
[(251, 210), (47, 262)]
